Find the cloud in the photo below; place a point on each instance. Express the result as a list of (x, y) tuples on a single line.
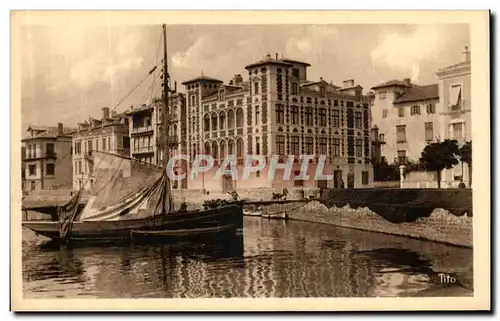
[(313, 40), (192, 55), (405, 52)]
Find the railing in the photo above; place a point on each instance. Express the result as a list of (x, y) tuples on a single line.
[(143, 149), (143, 129), (40, 155)]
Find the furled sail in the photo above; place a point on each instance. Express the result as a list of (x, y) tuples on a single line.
[(67, 214), (125, 188)]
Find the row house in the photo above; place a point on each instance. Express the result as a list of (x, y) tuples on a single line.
[(46, 164), (108, 134)]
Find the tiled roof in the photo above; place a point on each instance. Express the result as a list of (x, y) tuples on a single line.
[(417, 93), (202, 78), (267, 61), (50, 131), (139, 109), (390, 83), (295, 62)]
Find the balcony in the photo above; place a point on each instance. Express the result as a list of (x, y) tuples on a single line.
[(143, 150), (34, 156), (142, 130)]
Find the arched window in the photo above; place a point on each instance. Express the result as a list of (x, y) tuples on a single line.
[(239, 148), (239, 118), (230, 147), (230, 119), (215, 152), (222, 120), (222, 149), (214, 121), (206, 123), (207, 148)]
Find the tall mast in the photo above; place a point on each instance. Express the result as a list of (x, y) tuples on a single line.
[(166, 108)]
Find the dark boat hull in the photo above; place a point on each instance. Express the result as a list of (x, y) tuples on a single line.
[(120, 230)]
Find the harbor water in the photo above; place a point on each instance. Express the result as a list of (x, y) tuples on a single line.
[(272, 258)]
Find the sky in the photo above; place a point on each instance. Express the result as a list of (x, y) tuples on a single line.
[(70, 71)]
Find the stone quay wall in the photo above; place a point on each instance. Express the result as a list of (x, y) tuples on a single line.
[(441, 226)]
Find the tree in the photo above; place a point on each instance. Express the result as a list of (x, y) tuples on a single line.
[(465, 154), (438, 156)]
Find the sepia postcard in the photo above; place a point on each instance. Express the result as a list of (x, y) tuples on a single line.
[(250, 161)]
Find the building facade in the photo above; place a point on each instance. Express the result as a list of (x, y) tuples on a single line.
[(47, 158), (455, 109), (405, 119), (276, 110), (145, 128), (109, 134)]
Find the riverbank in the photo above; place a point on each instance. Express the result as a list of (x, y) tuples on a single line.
[(441, 226)]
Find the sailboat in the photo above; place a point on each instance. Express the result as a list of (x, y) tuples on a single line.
[(131, 199)]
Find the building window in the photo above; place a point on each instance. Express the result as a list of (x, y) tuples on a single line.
[(89, 146), (381, 138), (125, 142), (431, 108), (221, 95), (401, 111), (322, 117), (32, 170), (222, 120), (384, 113), (456, 97), (257, 145), (309, 116), (257, 115), (214, 121), (309, 146), (401, 157), (359, 148), (401, 134), (294, 113), (109, 143), (50, 149), (239, 148), (295, 89), (230, 119), (295, 72), (322, 146), (415, 110), (50, 169), (280, 114), (364, 178), (336, 147), (322, 91), (255, 88), (206, 123), (336, 118), (294, 145), (280, 144), (457, 129), (382, 95), (80, 169), (103, 143), (239, 118), (429, 132), (357, 120)]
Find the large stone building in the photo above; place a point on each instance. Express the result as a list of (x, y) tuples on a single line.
[(455, 109), (47, 158), (109, 134), (276, 110), (145, 127), (405, 119)]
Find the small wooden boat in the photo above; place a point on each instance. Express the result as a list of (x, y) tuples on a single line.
[(195, 232), (252, 213)]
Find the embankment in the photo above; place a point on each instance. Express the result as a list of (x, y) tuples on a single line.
[(440, 226)]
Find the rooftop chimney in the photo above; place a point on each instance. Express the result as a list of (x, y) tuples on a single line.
[(407, 82), (348, 83), (105, 112), (276, 56), (467, 54), (60, 128), (175, 86)]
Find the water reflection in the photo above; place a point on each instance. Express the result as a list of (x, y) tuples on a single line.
[(272, 259)]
